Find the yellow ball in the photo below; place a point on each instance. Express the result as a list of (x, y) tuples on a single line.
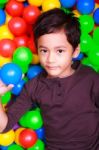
[(37, 3), (96, 5), (76, 13), (35, 59), (4, 60), (8, 17), (17, 133), (50, 4), (7, 138), (5, 32)]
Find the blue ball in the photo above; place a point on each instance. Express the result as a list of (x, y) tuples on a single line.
[(2, 17), (40, 133), (10, 73), (18, 87), (79, 57), (85, 6), (33, 71), (96, 16), (3, 147), (67, 3)]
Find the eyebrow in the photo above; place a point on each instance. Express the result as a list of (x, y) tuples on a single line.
[(61, 46)]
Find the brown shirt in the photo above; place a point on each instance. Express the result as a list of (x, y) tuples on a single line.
[(69, 107)]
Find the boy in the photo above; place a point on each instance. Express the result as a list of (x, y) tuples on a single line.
[(68, 97)]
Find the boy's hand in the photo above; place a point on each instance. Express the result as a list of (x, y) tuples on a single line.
[(4, 88)]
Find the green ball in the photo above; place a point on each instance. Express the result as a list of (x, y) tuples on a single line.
[(15, 147), (3, 1), (93, 55), (34, 119), (86, 62), (6, 97), (87, 23), (22, 56), (22, 120), (96, 35), (38, 146), (85, 43), (2, 6)]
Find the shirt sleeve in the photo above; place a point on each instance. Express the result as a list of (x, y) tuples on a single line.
[(21, 105), (96, 90)]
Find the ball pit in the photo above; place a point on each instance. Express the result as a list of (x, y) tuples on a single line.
[(18, 54)]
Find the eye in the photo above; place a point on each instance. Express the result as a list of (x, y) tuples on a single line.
[(43, 51), (60, 51)]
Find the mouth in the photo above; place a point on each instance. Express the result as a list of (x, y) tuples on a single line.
[(52, 67)]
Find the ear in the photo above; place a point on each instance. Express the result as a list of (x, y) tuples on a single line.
[(76, 52)]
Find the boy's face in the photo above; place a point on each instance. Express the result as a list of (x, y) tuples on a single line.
[(56, 54)]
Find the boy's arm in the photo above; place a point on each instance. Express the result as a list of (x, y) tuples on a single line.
[(21, 105), (3, 118)]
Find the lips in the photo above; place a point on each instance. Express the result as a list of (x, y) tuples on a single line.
[(51, 67)]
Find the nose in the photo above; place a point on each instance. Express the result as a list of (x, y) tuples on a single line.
[(51, 58)]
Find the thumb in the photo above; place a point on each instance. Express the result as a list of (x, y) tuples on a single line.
[(10, 86)]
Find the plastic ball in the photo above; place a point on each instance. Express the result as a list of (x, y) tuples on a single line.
[(96, 35), (3, 147), (37, 3), (50, 4), (22, 56), (20, 0), (15, 147), (2, 6), (87, 23), (17, 133), (34, 119), (21, 40), (8, 18), (67, 3), (7, 138), (33, 71), (35, 59), (79, 57), (3, 1), (76, 13), (85, 43), (27, 138), (85, 6), (30, 14), (6, 97), (31, 45), (2, 17), (7, 47), (4, 60), (39, 145), (40, 133), (10, 73), (18, 87), (17, 26), (93, 55), (14, 8), (96, 16), (5, 33)]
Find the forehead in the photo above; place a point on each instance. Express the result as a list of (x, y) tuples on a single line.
[(53, 39)]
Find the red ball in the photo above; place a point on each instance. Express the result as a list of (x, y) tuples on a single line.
[(31, 13), (17, 26), (31, 45), (14, 8), (21, 41), (7, 47), (27, 138)]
